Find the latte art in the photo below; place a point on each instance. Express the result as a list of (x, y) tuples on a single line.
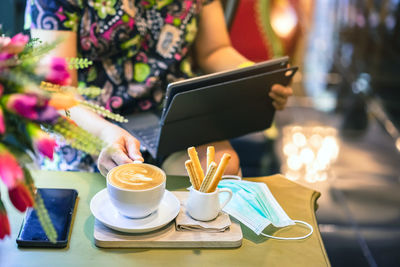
[(133, 178), (136, 176)]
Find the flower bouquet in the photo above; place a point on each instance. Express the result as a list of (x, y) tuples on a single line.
[(33, 92)]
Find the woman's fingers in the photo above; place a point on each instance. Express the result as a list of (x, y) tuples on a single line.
[(119, 157), (281, 90), (116, 155), (133, 148), (123, 148), (279, 101), (105, 162), (278, 98), (280, 95)]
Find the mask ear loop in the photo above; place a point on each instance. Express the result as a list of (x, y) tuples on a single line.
[(293, 238)]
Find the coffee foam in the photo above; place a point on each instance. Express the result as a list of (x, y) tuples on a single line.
[(135, 176)]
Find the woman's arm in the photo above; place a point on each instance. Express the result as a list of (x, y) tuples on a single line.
[(125, 148), (214, 51), (213, 48)]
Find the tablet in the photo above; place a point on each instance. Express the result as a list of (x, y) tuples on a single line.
[(220, 111), (221, 77)]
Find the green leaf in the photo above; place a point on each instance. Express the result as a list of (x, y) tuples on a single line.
[(77, 137), (44, 218), (36, 49), (79, 63), (41, 209), (103, 112), (91, 91)]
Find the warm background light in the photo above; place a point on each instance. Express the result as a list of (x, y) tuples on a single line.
[(283, 18), (309, 152)]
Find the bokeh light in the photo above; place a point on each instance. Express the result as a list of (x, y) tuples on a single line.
[(309, 152)]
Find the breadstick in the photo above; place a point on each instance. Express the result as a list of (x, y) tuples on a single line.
[(218, 174), (209, 175), (192, 175), (210, 155), (196, 164)]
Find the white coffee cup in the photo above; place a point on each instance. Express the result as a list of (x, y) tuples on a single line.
[(129, 200), (206, 206)]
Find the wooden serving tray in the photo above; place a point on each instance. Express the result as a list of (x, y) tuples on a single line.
[(168, 237)]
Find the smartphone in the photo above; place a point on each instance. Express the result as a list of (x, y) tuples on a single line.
[(60, 204)]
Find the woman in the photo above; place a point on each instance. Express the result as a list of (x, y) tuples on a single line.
[(137, 47)]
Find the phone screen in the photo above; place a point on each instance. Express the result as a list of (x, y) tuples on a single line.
[(60, 204)]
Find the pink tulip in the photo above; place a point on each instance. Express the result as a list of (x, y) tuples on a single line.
[(20, 40), (4, 223), (41, 140), (20, 197), (22, 104), (10, 171), (4, 41), (58, 73), (2, 124), (5, 56), (15, 45), (48, 114), (31, 106)]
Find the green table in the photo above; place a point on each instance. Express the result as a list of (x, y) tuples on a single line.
[(298, 201)]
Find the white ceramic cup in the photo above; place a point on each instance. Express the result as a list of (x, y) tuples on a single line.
[(206, 206), (136, 204)]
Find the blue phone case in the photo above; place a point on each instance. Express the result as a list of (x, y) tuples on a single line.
[(60, 204)]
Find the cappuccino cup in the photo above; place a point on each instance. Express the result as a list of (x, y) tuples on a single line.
[(136, 189)]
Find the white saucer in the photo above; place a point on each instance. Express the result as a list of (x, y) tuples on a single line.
[(104, 211)]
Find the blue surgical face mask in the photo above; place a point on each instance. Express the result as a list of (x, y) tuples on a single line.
[(254, 205)]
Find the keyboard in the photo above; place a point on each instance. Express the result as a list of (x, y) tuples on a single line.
[(148, 137)]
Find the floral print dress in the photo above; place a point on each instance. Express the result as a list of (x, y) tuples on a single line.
[(137, 48)]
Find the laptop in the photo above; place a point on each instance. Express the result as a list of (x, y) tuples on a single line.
[(210, 108)]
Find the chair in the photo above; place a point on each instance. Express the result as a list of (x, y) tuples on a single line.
[(263, 29)]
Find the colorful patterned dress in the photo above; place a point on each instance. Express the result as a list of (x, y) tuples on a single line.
[(137, 47)]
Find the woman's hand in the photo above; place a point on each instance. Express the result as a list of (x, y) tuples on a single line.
[(280, 95), (122, 148)]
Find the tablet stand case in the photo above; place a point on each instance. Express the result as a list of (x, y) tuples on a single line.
[(220, 112)]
